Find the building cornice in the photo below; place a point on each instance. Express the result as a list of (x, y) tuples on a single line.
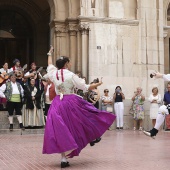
[(109, 20)]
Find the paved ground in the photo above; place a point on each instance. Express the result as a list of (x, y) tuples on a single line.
[(118, 150)]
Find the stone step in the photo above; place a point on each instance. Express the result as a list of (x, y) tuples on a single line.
[(21, 132)]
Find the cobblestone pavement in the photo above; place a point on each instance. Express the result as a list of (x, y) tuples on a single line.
[(118, 150)]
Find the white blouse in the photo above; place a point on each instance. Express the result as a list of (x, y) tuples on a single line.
[(107, 98), (152, 97), (71, 80), (166, 77), (2, 70)]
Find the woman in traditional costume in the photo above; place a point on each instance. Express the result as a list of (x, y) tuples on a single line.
[(72, 122)]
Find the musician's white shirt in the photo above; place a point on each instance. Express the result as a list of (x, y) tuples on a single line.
[(28, 73), (2, 70), (14, 89)]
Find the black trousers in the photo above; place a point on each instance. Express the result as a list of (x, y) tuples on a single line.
[(47, 106), (11, 106)]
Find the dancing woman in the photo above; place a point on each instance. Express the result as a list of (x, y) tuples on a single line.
[(162, 111), (72, 122)]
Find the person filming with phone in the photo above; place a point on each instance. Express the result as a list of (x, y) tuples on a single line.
[(118, 97)]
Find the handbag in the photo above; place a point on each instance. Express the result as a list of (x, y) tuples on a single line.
[(109, 109)]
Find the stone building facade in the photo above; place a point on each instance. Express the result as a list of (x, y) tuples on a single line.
[(122, 41)]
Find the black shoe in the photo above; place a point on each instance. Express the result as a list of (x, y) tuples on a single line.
[(64, 164), (11, 127), (121, 128), (21, 126), (153, 132), (97, 140), (117, 128), (92, 143)]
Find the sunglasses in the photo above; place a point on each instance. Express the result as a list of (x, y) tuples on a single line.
[(106, 91)]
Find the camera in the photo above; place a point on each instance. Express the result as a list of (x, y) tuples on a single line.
[(118, 91), (96, 80), (151, 75)]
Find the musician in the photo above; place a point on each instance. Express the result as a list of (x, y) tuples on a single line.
[(17, 70), (13, 92), (3, 79), (3, 72), (33, 74)]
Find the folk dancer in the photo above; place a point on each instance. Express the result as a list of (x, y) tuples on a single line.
[(162, 111), (72, 122), (13, 92)]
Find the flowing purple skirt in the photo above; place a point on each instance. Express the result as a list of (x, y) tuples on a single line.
[(72, 123)]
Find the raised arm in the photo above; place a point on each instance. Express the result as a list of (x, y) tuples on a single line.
[(166, 77), (50, 55), (80, 84)]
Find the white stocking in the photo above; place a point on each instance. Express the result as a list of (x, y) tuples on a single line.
[(63, 157), (10, 119), (19, 118), (159, 121)]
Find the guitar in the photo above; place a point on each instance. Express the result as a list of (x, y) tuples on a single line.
[(20, 72), (6, 75), (35, 73)]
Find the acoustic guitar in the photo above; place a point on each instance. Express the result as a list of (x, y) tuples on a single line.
[(6, 75), (20, 72), (35, 73)]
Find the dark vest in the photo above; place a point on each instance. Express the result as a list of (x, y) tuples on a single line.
[(8, 90)]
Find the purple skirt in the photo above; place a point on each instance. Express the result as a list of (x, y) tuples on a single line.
[(72, 123)]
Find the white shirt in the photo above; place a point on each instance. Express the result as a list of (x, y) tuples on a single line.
[(71, 80), (166, 77), (157, 97), (28, 73), (14, 90), (2, 70), (109, 98)]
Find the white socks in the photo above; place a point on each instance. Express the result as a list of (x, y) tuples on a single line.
[(159, 121), (10, 119), (19, 117), (63, 157)]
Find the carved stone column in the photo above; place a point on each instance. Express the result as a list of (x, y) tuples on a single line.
[(60, 31), (84, 28), (72, 29)]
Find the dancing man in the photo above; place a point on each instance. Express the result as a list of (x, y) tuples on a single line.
[(162, 112), (72, 122)]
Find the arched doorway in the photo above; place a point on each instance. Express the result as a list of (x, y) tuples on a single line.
[(16, 38), (24, 31)]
